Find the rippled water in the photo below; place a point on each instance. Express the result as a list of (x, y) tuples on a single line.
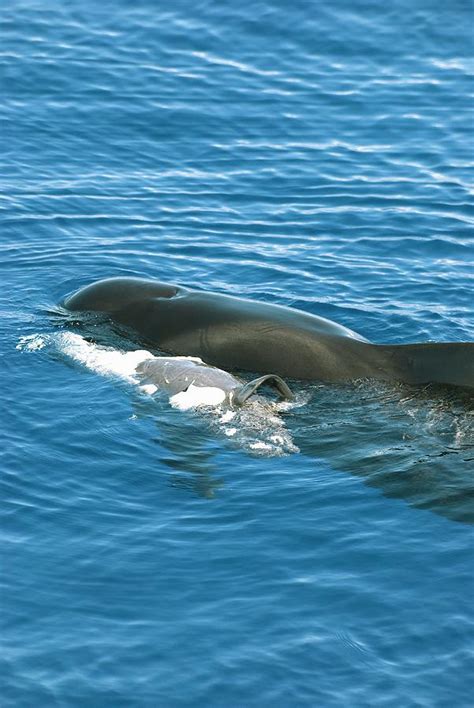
[(312, 155)]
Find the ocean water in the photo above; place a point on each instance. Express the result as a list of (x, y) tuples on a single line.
[(316, 155)]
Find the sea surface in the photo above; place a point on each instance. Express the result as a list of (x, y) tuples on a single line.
[(311, 154)]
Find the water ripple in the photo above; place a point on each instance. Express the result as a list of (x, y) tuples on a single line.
[(311, 157)]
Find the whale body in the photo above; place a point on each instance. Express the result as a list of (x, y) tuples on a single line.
[(176, 375), (236, 333)]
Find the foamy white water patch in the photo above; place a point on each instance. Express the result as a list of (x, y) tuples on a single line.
[(198, 396), (102, 360), (32, 342), (256, 427)]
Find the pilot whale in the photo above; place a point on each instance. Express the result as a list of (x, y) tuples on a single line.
[(177, 375), (235, 333)]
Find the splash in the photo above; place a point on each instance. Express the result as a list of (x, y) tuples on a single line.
[(256, 427)]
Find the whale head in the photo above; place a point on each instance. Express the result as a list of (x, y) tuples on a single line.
[(113, 294)]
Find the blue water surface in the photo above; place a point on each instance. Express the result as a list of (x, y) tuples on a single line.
[(316, 155)]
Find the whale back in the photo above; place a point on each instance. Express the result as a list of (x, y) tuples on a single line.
[(446, 363), (176, 374), (114, 294), (234, 333)]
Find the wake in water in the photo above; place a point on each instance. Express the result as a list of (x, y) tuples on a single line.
[(411, 443), (257, 427)]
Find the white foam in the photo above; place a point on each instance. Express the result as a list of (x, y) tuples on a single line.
[(102, 360), (32, 342), (150, 389), (256, 427), (198, 396), (260, 445)]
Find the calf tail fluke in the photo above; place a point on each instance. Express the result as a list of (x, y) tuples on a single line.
[(247, 390)]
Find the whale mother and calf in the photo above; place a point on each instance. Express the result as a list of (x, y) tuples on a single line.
[(235, 333)]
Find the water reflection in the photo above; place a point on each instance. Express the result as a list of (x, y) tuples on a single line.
[(191, 458), (412, 444), (415, 445)]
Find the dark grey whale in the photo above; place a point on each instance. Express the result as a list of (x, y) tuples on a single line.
[(234, 333)]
